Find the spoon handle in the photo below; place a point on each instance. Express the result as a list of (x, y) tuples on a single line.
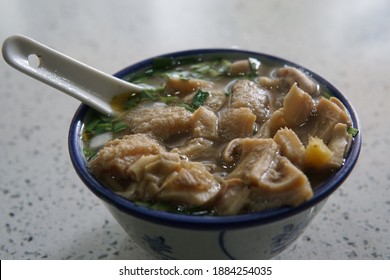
[(66, 74)]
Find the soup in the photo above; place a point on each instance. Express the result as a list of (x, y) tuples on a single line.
[(219, 137)]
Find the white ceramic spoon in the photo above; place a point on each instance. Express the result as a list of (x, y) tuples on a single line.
[(74, 78)]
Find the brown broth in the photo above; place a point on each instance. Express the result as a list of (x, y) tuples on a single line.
[(215, 80)]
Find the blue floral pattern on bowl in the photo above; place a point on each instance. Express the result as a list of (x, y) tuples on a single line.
[(290, 233), (158, 245)]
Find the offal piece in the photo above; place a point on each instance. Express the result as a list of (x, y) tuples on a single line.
[(117, 156), (339, 144), (290, 146), (286, 77), (247, 94), (215, 100), (162, 121), (269, 176), (187, 88), (239, 67), (148, 174), (180, 86), (328, 114), (196, 148), (297, 106), (307, 118), (204, 124), (283, 184), (191, 185), (234, 196), (166, 177), (234, 123), (292, 75)]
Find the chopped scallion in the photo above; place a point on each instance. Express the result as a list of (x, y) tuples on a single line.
[(199, 98), (149, 94), (119, 126), (132, 102), (89, 153), (187, 106), (169, 99), (102, 127), (353, 131), (91, 126), (327, 93)]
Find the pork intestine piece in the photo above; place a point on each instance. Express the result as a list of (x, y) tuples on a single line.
[(297, 106), (290, 146), (286, 76), (338, 144), (167, 177), (328, 114), (271, 177), (196, 148)]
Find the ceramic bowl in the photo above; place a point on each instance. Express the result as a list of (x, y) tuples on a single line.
[(260, 235)]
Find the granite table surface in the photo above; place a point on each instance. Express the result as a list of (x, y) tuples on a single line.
[(45, 210)]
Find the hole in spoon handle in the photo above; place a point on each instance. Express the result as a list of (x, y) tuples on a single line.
[(34, 60)]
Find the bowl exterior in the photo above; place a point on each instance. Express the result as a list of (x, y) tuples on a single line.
[(258, 242)]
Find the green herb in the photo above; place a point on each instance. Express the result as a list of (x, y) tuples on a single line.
[(132, 102), (327, 93), (199, 98), (169, 99), (102, 127), (146, 94), (353, 131), (91, 126), (89, 153), (210, 68), (119, 126), (99, 124), (149, 94), (224, 66), (159, 205), (187, 106), (201, 68), (163, 206)]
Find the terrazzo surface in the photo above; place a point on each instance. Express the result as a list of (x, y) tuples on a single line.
[(47, 213)]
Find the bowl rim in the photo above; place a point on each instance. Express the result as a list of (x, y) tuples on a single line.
[(211, 222)]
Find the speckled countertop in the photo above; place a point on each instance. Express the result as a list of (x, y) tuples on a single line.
[(47, 213)]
